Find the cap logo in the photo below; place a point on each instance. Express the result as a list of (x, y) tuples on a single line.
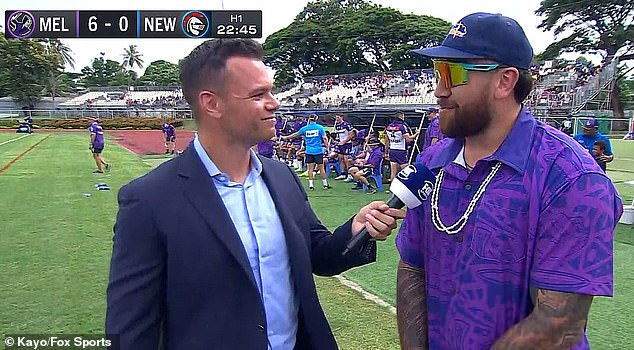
[(458, 30)]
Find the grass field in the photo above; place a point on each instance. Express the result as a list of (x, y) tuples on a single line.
[(55, 246)]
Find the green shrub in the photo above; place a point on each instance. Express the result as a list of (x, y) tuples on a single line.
[(119, 123)]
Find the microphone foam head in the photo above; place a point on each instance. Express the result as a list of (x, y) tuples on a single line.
[(413, 185)]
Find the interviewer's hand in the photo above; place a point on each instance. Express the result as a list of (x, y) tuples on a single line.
[(378, 218)]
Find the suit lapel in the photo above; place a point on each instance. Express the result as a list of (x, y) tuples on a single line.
[(202, 193)]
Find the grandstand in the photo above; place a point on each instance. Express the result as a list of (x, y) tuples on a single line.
[(125, 99), (561, 89), (389, 89)]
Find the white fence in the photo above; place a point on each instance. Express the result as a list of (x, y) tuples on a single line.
[(99, 113)]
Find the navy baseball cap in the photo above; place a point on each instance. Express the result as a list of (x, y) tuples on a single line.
[(591, 124), (488, 36)]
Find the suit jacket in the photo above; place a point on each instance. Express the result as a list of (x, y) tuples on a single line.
[(180, 277)]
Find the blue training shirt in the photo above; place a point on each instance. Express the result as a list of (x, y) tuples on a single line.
[(314, 134)]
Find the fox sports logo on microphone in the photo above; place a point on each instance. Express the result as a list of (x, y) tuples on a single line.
[(425, 191)]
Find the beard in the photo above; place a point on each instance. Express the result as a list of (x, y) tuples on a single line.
[(467, 120)]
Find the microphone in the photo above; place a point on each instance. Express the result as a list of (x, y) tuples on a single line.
[(410, 188)]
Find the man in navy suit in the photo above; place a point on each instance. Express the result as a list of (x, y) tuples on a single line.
[(215, 249)]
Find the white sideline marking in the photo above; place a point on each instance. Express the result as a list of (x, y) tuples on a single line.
[(21, 137), (369, 296)]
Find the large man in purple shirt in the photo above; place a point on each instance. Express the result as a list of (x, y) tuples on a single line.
[(516, 238)]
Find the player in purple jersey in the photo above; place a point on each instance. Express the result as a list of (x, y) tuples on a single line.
[(369, 165), (343, 132), (97, 143), (170, 137), (517, 235), (398, 135)]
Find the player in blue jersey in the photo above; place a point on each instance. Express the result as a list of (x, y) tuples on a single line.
[(315, 137)]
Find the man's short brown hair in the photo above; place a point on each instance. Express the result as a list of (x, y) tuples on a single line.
[(203, 68), (523, 86)]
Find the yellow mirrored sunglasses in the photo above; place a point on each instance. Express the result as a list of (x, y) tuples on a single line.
[(457, 73)]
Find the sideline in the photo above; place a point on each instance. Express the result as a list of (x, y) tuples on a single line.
[(367, 295), (4, 168), (15, 139)]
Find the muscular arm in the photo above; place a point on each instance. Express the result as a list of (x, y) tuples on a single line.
[(411, 307), (410, 138), (557, 322)]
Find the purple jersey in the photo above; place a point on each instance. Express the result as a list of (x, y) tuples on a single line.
[(341, 131), (266, 147), (279, 125), (169, 131), (375, 159), (396, 132), (546, 220), (433, 131), (97, 130), (296, 127)]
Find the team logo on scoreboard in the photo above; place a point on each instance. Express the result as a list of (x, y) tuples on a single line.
[(21, 24), (195, 24)]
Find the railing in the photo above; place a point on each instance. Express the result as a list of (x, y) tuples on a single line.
[(598, 83), (575, 98), (102, 113), (135, 88)]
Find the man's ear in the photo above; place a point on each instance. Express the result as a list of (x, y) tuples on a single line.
[(506, 82), (210, 103)]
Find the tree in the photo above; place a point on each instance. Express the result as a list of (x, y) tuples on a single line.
[(595, 26), (131, 58), (58, 85), (104, 72), (26, 83), (350, 36), (62, 55), (161, 73)]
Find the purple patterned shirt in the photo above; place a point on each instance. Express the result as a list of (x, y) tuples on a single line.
[(546, 220), (433, 131)]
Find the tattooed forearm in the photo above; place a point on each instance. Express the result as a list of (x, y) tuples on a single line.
[(411, 307), (557, 322)]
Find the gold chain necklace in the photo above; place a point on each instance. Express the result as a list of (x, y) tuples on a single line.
[(462, 221)]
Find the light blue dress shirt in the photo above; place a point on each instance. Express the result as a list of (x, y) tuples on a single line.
[(255, 217)]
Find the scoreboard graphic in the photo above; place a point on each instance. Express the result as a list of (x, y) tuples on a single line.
[(23, 24)]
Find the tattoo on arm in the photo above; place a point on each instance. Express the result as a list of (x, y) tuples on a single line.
[(411, 307), (557, 322)]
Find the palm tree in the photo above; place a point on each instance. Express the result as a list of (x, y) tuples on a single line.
[(62, 56), (131, 58)]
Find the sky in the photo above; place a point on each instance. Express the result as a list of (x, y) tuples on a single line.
[(275, 16)]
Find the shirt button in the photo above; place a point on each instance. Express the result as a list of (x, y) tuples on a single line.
[(467, 187), (453, 289), (261, 328), (459, 239)]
